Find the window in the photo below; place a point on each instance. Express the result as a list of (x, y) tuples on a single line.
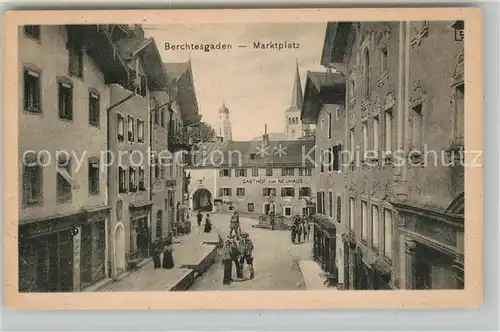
[(131, 127), (364, 221), (388, 233), (120, 121), (32, 91), (365, 139), (132, 178), (32, 31), (255, 172), (352, 207), (366, 74), (75, 56), (304, 192), (375, 227), (375, 134), (329, 125), (225, 172), (32, 183), (266, 192), (337, 113), (460, 114), (339, 209), (240, 192), (252, 155), (64, 181), (289, 120), (287, 192), (142, 186), (383, 59), (140, 131), (337, 154), (240, 172), (250, 207), (162, 163), (162, 118), (225, 192), (157, 117), (320, 197), (330, 204), (352, 144), (351, 88), (94, 176), (301, 172), (388, 131), (287, 171), (287, 211), (142, 85), (308, 171), (322, 126), (122, 178), (94, 109), (269, 172), (416, 128), (157, 168), (65, 101)]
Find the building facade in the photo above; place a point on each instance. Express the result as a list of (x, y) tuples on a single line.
[(404, 97), (324, 106), (235, 176), (63, 212)]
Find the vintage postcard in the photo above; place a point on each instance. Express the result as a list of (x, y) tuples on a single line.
[(243, 159)]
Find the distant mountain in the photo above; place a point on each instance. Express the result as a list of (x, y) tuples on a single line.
[(272, 137)]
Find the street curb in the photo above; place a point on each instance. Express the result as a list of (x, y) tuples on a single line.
[(304, 275), (184, 282)]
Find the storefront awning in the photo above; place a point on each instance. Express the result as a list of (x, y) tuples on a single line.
[(141, 204)]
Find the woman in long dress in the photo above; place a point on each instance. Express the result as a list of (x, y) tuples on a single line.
[(208, 224), (168, 259)]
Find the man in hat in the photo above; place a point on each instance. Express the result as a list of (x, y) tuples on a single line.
[(234, 224), (227, 262), (246, 252), (235, 254)]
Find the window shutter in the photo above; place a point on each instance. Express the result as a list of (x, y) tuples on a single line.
[(221, 173), (264, 191), (282, 192), (229, 192), (220, 192)]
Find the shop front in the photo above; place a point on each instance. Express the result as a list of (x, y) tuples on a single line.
[(324, 245), (62, 254), (140, 232)]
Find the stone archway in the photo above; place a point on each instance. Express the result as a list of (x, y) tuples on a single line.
[(202, 200), (119, 249)]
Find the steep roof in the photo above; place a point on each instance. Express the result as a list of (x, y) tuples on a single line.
[(248, 154), (176, 69), (297, 90)]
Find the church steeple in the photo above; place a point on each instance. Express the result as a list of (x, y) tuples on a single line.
[(297, 89)]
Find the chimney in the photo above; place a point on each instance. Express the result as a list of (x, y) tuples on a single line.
[(265, 137)]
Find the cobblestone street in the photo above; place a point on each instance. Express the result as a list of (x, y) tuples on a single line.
[(275, 260)]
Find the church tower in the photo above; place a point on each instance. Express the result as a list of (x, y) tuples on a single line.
[(223, 130), (293, 126)]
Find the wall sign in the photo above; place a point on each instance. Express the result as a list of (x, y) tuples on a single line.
[(273, 181)]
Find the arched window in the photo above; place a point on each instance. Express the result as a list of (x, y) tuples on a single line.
[(366, 74), (159, 224), (289, 120)]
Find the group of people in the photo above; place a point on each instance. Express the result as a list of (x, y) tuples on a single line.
[(237, 249), (162, 248), (208, 222), (301, 228)]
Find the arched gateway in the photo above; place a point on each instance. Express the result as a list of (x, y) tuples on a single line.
[(202, 200)]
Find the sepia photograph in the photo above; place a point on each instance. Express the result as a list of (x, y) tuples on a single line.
[(315, 155)]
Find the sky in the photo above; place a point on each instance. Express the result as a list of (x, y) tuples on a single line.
[(256, 85)]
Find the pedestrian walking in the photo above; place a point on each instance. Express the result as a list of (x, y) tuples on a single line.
[(307, 229), (293, 232), (227, 263), (235, 254), (199, 218), (208, 224), (156, 249), (299, 232), (246, 252), (234, 224), (271, 214), (168, 259)]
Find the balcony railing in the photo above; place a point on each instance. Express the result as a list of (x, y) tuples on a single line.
[(178, 140)]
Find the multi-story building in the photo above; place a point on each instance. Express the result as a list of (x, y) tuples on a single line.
[(129, 141), (253, 177), (183, 112), (63, 212), (324, 106), (404, 114)]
